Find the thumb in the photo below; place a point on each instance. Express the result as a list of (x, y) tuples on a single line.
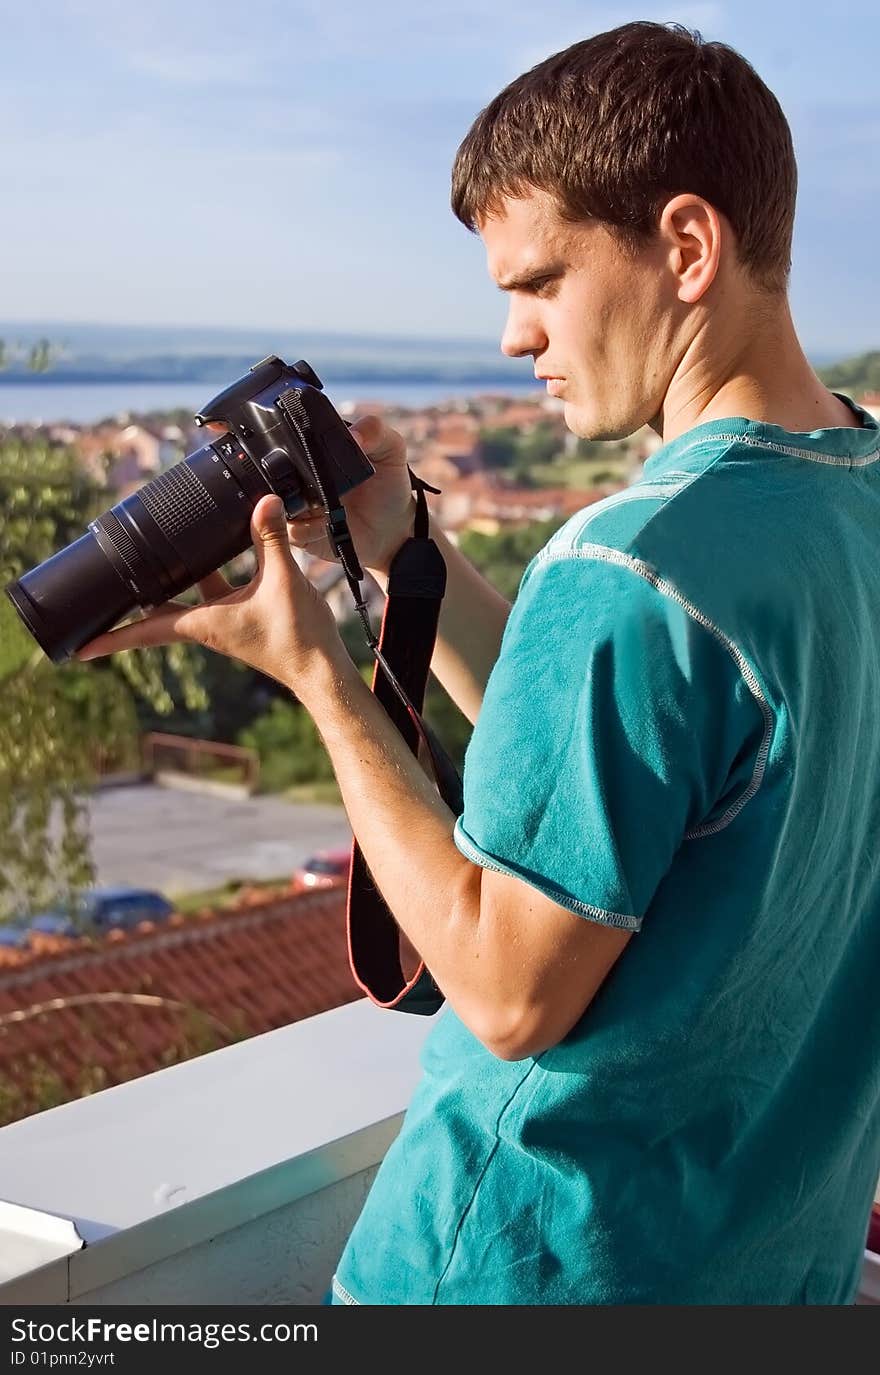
[(269, 531)]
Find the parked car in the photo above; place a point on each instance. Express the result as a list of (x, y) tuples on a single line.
[(104, 909), (13, 935), (324, 869), (56, 924)]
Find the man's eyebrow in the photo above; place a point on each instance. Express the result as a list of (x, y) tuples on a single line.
[(530, 277)]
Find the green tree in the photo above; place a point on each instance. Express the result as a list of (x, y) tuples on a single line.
[(854, 376), (40, 356), (590, 448), (541, 445), (291, 750), (58, 721), (502, 558), (498, 446), (234, 696)]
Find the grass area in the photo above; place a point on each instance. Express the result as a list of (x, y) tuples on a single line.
[(582, 474), (325, 791), (16, 645), (187, 903), (222, 773)]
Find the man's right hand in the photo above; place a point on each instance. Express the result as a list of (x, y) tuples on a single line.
[(380, 511)]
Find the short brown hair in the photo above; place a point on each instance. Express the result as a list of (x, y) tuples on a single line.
[(616, 125)]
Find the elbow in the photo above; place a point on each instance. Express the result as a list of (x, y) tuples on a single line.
[(525, 1032), (519, 1036), (511, 1051)]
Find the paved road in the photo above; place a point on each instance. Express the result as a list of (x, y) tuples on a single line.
[(182, 841)]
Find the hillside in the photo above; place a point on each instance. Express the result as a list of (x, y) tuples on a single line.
[(855, 376)]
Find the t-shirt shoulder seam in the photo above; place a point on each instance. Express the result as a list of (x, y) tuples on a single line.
[(662, 486), (661, 585), (719, 457)]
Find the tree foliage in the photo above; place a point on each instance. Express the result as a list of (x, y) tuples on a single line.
[(854, 375), (517, 450), (40, 356), (498, 446), (59, 723), (502, 558), (291, 750)]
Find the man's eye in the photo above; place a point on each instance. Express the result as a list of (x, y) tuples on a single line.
[(543, 286)]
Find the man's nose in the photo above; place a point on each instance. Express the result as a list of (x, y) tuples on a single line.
[(522, 334)]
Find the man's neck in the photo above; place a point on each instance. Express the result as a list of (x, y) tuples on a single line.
[(767, 379)]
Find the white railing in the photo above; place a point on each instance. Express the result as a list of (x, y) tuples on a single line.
[(231, 1178)]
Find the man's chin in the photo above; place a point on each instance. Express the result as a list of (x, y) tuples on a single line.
[(582, 421), (576, 420), (586, 424)]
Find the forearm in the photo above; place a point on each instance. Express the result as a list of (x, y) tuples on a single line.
[(404, 829), (472, 620)]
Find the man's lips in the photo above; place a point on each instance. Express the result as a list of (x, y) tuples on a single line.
[(554, 385)]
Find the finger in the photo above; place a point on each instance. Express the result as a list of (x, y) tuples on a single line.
[(214, 585), (165, 626), (269, 531), (307, 529), (367, 430), (378, 440)]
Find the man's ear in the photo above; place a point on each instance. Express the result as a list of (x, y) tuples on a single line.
[(693, 233)]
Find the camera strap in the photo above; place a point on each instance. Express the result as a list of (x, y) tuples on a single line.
[(416, 585), (403, 651)]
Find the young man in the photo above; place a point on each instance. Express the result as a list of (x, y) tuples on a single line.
[(657, 922)]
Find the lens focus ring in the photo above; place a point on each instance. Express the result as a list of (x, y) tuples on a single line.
[(176, 499), (122, 543)]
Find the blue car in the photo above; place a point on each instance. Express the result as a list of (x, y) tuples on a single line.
[(55, 924), (105, 909), (12, 935)]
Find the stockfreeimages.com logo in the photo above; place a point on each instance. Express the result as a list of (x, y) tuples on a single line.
[(209, 1334)]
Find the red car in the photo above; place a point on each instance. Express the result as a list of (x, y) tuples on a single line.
[(324, 869), (873, 1240)]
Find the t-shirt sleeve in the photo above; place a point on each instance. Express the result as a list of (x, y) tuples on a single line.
[(615, 720)]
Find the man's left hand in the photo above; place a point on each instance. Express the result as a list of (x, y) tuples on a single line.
[(277, 623)]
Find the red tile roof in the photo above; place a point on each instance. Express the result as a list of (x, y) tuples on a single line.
[(79, 1017)]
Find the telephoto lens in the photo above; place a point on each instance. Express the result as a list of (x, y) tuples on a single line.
[(281, 435)]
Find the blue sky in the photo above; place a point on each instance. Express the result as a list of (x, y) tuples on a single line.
[(287, 164)]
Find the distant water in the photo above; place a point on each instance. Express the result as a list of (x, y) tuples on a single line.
[(87, 403)]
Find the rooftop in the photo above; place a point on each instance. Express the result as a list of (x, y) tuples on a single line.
[(79, 1016)]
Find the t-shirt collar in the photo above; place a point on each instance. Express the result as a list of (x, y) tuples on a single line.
[(841, 441)]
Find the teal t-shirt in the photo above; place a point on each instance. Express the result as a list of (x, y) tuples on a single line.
[(681, 737)]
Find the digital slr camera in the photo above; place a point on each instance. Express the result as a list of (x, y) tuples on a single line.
[(281, 435)]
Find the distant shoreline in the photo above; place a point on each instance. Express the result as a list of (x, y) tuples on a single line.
[(53, 399), (467, 377)]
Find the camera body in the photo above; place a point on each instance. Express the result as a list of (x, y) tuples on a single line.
[(281, 435)]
